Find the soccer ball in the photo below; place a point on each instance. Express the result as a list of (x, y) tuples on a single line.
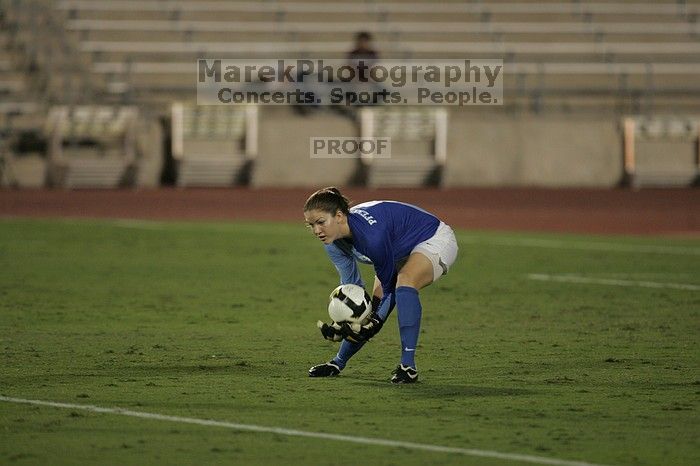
[(349, 303)]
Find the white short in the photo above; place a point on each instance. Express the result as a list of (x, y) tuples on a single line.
[(441, 249)]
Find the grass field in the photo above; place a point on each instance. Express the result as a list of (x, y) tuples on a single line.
[(217, 321)]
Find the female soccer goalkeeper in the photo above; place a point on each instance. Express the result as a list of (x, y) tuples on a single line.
[(409, 249)]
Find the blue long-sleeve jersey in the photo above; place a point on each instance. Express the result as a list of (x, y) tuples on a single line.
[(383, 234)]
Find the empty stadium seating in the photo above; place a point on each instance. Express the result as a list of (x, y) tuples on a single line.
[(676, 137), (91, 146), (418, 145), (214, 145), (604, 57), (147, 47)]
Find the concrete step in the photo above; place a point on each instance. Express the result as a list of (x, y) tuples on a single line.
[(210, 170), (401, 171)]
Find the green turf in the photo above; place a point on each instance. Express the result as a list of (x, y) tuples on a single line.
[(217, 321)]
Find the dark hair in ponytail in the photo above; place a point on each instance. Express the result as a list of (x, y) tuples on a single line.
[(328, 200)]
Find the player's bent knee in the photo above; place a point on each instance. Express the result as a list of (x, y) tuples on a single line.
[(404, 280), (416, 273)]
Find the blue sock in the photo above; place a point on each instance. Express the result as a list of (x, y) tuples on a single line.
[(346, 351), (386, 305), (409, 322)]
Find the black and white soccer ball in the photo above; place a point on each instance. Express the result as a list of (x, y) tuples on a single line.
[(349, 303)]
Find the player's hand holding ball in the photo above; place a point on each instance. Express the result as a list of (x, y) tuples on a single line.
[(350, 308), (358, 333), (331, 332)]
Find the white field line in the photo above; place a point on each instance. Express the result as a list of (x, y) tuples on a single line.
[(139, 224), (611, 282), (303, 433), (586, 246), (511, 242), (170, 226), (157, 225)]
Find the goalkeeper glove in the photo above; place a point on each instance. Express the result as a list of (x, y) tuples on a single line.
[(365, 332), (331, 332)]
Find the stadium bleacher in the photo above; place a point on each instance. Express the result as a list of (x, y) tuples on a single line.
[(611, 57), (213, 145), (419, 145), (543, 41), (91, 146)]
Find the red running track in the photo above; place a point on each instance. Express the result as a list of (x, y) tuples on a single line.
[(617, 211)]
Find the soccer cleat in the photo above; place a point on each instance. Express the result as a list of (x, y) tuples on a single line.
[(404, 374), (328, 369)]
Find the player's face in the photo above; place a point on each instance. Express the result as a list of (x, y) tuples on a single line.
[(325, 226)]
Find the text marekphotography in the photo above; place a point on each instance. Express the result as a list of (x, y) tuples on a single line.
[(341, 82)]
